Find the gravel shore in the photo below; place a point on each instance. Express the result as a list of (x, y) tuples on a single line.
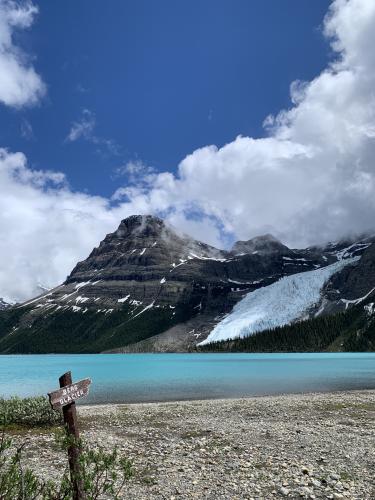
[(290, 446)]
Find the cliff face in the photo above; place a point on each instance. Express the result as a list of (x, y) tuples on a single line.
[(358, 282), (148, 287)]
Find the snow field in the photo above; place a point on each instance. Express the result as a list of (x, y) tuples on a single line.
[(277, 304)]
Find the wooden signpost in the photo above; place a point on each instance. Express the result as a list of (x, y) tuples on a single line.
[(65, 398)]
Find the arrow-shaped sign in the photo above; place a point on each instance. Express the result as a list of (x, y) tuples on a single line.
[(69, 393)]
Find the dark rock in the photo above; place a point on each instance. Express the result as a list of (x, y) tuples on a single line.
[(359, 281), (263, 245)]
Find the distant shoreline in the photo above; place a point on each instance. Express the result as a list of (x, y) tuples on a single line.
[(85, 406), (139, 353)]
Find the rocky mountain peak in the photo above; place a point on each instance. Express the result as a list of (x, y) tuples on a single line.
[(143, 231), (264, 245), (140, 243), (141, 225)]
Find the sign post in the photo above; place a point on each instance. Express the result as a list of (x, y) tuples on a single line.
[(65, 398)]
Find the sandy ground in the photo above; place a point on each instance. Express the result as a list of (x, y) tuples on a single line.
[(292, 446)]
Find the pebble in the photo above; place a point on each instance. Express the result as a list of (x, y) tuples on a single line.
[(231, 449)]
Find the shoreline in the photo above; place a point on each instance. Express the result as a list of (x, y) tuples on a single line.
[(225, 399), (178, 352), (311, 445)]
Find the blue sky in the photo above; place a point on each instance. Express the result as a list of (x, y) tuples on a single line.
[(160, 79), (230, 119)]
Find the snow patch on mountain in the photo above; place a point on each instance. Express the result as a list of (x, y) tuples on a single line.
[(277, 304), (351, 250), (4, 304), (370, 308), (357, 301), (124, 299)]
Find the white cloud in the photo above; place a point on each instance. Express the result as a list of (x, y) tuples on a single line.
[(84, 129), (312, 178), (135, 173), (134, 170), (20, 85), (46, 227)]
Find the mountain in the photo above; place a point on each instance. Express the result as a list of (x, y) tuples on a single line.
[(354, 284), (281, 303), (147, 287), (9, 300), (264, 245), (350, 331), (3, 304), (340, 317)]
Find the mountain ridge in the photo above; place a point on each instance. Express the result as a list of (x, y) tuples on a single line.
[(264, 244), (146, 286)]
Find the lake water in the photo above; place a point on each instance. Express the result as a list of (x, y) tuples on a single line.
[(168, 377)]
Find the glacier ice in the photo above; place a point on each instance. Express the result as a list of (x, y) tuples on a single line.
[(275, 305)]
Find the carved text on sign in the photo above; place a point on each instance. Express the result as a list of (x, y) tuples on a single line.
[(69, 393)]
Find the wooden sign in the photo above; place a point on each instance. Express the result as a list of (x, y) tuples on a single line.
[(69, 393), (65, 398)]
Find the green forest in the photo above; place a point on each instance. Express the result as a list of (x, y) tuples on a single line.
[(68, 331)]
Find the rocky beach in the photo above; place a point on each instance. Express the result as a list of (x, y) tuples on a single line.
[(290, 446)]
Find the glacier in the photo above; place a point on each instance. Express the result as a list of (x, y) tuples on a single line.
[(277, 304)]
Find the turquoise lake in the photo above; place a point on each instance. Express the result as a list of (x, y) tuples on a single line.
[(168, 377)]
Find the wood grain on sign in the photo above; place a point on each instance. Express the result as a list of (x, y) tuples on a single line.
[(69, 393)]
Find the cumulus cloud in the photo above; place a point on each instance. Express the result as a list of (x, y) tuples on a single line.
[(20, 85), (47, 227), (310, 179), (136, 172)]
